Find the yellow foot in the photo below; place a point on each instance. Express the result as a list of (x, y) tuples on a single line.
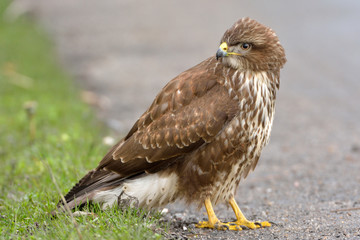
[(238, 225), (252, 225), (219, 225), (241, 219)]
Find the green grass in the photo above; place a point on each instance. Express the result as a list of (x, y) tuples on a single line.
[(68, 141)]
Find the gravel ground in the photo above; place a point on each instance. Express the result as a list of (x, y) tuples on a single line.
[(308, 179)]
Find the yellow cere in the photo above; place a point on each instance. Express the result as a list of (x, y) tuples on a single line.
[(224, 46)]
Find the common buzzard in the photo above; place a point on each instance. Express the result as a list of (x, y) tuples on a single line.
[(201, 135)]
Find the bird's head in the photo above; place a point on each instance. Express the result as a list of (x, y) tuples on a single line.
[(249, 45)]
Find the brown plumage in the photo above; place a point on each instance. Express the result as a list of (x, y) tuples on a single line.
[(203, 132)]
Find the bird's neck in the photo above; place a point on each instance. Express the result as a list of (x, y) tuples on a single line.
[(242, 83)]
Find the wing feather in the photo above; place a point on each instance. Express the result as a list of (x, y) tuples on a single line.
[(190, 111)]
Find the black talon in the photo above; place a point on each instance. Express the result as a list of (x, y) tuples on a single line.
[(244, 227), (257, 223)]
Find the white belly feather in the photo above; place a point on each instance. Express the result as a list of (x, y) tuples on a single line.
[(152, 190)]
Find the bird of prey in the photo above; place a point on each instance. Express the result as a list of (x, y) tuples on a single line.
[(201, 135)]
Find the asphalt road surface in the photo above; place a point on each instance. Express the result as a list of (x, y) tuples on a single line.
[(308, 178)]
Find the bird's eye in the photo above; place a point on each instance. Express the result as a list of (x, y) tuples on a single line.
[(245, 46)]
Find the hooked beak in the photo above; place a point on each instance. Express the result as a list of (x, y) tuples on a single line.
[(222, 51)]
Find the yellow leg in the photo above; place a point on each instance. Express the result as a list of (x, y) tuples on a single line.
[(241, 219), (214, 222)]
